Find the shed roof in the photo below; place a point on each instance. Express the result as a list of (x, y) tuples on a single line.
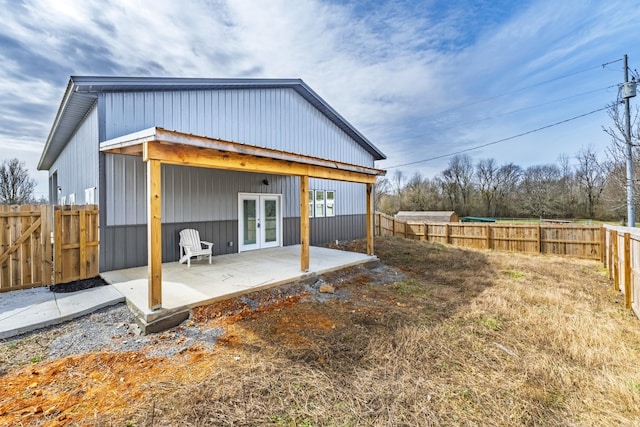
[(81, 94), (427, 216)]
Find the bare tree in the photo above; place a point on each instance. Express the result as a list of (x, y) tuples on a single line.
[(487, 174), (567, 188), (383, 189), (540, 190), (615, 194), (16, 187), (508, 178), (591, 176), (457, 183), (420, 194)]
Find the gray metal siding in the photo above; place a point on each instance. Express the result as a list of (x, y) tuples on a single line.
[(77, 165), (199, 194), (326, 230), (128, 244), (273, 118)]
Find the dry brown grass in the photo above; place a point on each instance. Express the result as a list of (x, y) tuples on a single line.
[(466, 338), (461, 338)]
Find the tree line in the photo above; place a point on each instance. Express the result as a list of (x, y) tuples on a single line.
[(582, 186)]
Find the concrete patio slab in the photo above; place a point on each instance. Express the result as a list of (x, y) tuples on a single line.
[(30, 309), (228, 276)]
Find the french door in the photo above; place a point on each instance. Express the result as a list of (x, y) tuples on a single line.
[(260, 221)]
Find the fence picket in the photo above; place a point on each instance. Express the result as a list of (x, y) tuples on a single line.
[(27, 258)]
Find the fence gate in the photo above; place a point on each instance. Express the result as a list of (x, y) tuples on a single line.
[(25, 247), (38, 248), (76, 243)]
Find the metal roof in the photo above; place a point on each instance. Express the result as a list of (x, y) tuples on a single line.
[(82, 93)]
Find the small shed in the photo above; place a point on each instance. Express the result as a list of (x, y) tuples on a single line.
[(427, 216)]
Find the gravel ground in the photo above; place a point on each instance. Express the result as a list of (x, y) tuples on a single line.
[(114, 329)]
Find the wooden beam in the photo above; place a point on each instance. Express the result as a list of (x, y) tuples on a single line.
[(370, 194), (304, 223), (154, 233), (200, 157)]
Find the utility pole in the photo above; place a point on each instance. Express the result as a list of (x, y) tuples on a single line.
[(629, 92)]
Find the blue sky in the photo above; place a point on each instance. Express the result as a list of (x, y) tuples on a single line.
[(420, 79)]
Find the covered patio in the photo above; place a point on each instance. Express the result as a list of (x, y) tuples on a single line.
[(159, 146), (228, 276)]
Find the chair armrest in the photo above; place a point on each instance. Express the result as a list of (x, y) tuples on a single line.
[(209, 244)]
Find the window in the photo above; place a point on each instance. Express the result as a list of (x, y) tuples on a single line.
[(329, 203), (90, 196), (319, 211), (310, 203)]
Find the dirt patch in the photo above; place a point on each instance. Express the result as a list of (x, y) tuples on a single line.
[(434, 335)]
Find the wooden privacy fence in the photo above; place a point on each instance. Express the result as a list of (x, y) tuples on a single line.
[(25, 246), (583, 241), (38, 248), (623, 262), (76, 242)]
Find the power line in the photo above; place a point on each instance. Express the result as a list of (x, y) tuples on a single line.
[(466, 104), (498, 141), (529, 107)]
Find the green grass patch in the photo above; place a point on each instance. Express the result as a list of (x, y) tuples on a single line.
[(514, 274), (491, 323), (634, 386), (411, 287)]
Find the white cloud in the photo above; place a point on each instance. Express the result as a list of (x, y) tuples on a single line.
[(399, 72)]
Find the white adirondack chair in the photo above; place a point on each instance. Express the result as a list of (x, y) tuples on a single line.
[(191, 245)]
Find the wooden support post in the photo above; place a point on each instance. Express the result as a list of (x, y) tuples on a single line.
[(616, 262), (154, 233), (627, 270), (304, 223), (370, 219)]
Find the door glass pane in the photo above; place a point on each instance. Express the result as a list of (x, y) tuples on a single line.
[(270, 221), (249, 222)]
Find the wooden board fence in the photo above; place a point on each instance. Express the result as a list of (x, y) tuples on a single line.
[(582, 241), (76, 243), (622, 259), (25, 246)]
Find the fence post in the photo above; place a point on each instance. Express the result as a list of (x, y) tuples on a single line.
[(83, 243), (627, 270), (610, 254), (616, 263), (446, 233), (539, 239), (57, 244), (488, 230), (47, 257), (603, 246)]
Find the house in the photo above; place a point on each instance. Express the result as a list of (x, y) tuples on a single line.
[(250, 163), (426, 216)]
